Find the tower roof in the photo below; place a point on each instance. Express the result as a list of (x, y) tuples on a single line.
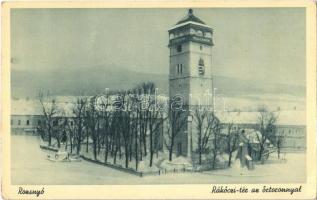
[(190, 17)]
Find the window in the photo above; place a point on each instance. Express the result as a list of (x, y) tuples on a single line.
[(208, 35), (201, 62), (199, 33), (11, 121), (19, 122), (179, 48), (27, 122), (39, 122), (201, 67), (71, 123), (55, 123), (179, 68)]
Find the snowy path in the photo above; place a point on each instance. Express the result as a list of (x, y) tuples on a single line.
[(30, 166)]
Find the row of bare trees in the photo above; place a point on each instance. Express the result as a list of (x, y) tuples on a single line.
[(117, 124)]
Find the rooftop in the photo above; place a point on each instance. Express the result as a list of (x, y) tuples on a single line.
[(284, 117), (190, 17)]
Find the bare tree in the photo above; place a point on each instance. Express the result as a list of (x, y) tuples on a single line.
[(136, 107), (204, 121), (49, 109), (155, 123), (60, 129), (232, 139), (279, 143), (92, 121), (176, 121), (125, 118), (266, 125), (104, 105), (79, 110), (215, 129), (71, 132)]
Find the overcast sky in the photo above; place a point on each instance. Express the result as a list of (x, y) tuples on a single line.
[(262, 44)]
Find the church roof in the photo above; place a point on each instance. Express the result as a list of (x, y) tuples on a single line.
[(190, 17)]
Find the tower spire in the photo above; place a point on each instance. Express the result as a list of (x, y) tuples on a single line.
[(190, 11)]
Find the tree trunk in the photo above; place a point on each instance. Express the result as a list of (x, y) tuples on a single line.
[(230, 155), (143, 136), (115, 155), (66, 145), (214, 160), (106, 150), (260, 153), (49, 137), (126, 152), (120, 152), (171, 151), (151, 148), (87, 140), (71, 144), (95, 147), (130, 151), (141, 153), (79, 131), (79, 143), (58, 142), (136, 152)]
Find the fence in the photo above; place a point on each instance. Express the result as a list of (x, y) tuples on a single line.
[(48, 148)]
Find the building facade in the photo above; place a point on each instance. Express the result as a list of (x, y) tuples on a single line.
[(26, 116)]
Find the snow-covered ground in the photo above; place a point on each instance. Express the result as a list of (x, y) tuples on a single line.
[(30, 166)]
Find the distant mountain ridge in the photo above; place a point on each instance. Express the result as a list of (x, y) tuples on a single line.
[(94, 80)]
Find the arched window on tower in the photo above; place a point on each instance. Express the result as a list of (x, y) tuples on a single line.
[(199, 33), (201, 62), (181, 69), (201, 67), (208, 35)]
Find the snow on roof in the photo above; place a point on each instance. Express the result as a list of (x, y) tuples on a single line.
[(66, 104), (190, 18), (238, 117), (33, 107), (26, 107), (292, 117)]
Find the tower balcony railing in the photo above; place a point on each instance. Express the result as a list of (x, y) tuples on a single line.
[(193, 38)]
